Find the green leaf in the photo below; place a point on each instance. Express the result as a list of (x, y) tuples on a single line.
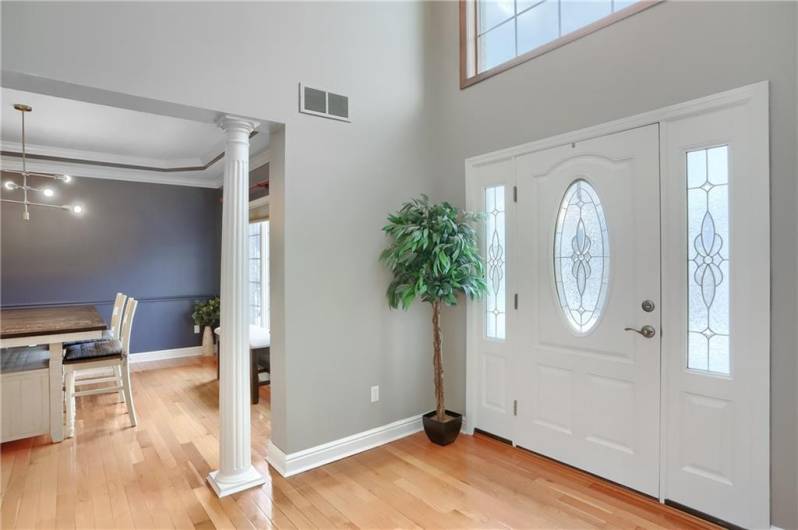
[(432, 253)]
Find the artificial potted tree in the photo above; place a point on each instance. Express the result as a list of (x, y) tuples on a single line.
[(206, 316), (434, 257)]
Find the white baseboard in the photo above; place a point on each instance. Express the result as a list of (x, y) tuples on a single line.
[(160, 355), (293, 463)]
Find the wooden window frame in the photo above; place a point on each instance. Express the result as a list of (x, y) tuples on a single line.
[(468, 40)]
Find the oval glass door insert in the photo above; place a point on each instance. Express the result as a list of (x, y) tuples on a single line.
[(581, 256)]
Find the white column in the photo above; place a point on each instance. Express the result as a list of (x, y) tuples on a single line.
[(236, 472)]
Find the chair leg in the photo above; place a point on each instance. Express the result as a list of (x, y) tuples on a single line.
[(253, 376), (118, 375), (131, 409), (69, 394)]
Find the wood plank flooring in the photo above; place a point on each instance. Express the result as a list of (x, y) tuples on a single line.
[(153, 476)]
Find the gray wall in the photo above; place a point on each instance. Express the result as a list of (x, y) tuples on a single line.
[(412, 127), (334, 335), (670, 53), (157, 243)]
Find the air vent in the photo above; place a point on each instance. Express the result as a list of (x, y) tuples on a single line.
[(321, 103)]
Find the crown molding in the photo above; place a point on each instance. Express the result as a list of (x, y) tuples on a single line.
[(207, 175), (153, 164), (202, 178)]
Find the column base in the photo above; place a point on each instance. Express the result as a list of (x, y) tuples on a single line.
[(243, 481)]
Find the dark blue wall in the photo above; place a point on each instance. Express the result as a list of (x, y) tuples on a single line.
[(157, 243)]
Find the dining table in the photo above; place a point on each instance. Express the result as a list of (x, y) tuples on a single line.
[(51, 326)]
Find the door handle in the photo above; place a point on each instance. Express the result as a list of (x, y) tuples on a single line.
[(646, 331)]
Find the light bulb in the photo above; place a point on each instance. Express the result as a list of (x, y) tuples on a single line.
[(10, 185), (66, 178), (77, 209), (48, 192)]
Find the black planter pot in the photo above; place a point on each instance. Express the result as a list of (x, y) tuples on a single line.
[(442, 432)]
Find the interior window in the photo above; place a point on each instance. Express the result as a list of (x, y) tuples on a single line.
[(498, 34), (259, 274)]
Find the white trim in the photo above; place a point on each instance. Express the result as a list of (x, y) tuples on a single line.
[(96, 156), (161, 355), (294, 463), (209, 178), (201, 178)]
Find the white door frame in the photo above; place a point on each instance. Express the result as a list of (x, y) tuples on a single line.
[(756, 95)]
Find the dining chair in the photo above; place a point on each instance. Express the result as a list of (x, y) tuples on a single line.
[(114, 353), (112, 332), (116, 314)]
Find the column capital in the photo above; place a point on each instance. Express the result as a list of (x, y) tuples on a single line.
[(232, 123)]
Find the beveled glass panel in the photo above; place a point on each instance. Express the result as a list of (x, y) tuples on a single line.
[(581, 256), (495, 263), (708, 260)]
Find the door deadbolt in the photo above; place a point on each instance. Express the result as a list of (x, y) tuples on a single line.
[(648, 306)]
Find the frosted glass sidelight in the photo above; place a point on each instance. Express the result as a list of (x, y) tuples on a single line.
[(496, 259), (708, 259), (581, 256)]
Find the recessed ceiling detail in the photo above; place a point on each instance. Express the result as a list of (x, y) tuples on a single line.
[(99, 141)]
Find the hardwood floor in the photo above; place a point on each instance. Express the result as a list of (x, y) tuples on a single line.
[(153, 476)]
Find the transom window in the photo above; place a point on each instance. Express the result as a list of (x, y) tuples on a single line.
[(499, 34)]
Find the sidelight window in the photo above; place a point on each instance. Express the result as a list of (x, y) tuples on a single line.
[(708, 259), (496, 263)]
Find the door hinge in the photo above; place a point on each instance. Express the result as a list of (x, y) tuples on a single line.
[(515, 193), (515, 301), (515, 407)]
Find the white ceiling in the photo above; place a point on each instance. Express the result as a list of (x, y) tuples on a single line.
[(77, 130)]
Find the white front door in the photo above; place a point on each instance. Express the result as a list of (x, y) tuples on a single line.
[(588, 277), (626, 328)]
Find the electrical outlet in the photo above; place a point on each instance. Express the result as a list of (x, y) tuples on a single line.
[(196, 329), (375, 394)]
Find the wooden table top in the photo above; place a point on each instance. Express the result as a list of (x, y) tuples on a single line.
[(49, 321)]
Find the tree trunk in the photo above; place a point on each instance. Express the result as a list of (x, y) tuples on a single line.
[(440, 410)]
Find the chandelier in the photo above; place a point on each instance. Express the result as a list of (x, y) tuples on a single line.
[(46, 191)]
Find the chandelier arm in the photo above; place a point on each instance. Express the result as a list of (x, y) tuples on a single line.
[(54, 176), (11, 185), (29, 203)]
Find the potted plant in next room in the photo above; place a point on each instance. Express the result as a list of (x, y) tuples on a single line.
[(206, 316), (434, 256)]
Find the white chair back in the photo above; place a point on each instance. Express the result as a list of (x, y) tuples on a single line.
[(127, 324), (116, 314)]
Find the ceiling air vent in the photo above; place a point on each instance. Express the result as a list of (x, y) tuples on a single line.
[(321, 103)]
